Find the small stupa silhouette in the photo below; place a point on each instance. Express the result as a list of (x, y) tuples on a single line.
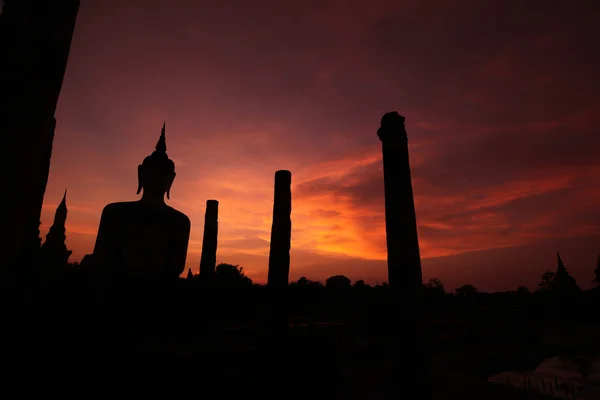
[(563, 282)]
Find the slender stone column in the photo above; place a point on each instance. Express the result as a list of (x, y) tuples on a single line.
[(404, 261), (281, 231), (278, 275), (208, 259)]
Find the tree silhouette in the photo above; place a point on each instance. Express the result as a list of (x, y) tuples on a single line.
[(231, 275), (360, 284), (466, 290), (546, 282), (435, 286), (338, 282), (523, 290), (305, 282), (302, 281)]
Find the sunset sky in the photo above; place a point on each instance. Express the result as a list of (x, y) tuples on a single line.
[(501, 100)]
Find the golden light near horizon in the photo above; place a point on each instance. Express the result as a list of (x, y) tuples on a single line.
[(254, 98)]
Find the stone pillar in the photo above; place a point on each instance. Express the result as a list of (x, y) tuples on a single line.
[(278, 277), (281, 231), (208, 259), (404, 261), (35, 40)]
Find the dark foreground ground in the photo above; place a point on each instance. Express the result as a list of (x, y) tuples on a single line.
[(191, 349)]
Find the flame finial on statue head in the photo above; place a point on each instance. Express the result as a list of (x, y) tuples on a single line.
[(158, 158), (157, 163), (161, 146)]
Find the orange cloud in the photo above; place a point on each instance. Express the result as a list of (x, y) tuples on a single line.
[(502, 125)]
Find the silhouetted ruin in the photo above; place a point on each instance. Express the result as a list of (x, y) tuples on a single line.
[(563, 282), (279, 268), (281, 231), (54, 250), (145, 239), (404, 261), (35, 40), (332, 340), (208, 259)]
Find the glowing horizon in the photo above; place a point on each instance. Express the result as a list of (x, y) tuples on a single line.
[(502, 130)]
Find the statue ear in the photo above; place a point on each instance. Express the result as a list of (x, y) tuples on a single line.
[(139, 189), (169, 187)]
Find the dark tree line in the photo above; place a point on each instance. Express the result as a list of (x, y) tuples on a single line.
[(229, 275)]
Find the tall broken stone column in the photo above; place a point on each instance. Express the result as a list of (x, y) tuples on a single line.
[(35, 41), (281, 231), (278, 275), (208, 259), (404, 261)]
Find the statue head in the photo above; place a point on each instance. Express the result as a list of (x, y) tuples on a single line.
[(157, 172)]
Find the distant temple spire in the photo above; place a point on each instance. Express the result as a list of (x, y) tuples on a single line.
[(61, 211), (563, 282), (54, 250), (561, 267)]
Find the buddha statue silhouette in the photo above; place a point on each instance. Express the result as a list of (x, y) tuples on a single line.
[(145, 239)]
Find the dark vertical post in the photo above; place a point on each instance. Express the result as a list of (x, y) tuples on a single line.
[(35, 40), (278, 275), (404, 261), (281, 231), (208, 259)]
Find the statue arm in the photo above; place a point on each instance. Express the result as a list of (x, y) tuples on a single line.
[(180, 248), (102, 260), (104, 247)]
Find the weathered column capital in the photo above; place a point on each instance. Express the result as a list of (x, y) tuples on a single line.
[(212, 204), (392, 128), (283, 176)]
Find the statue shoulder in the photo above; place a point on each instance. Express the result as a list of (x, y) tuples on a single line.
[(117, 208), (181, 219)]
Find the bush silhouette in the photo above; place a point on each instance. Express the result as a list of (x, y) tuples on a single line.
[(305, 282), (435, 286), (338, 282), (228, 275), (466, 290)]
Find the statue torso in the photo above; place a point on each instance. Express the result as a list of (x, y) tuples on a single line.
[(144, 239)]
